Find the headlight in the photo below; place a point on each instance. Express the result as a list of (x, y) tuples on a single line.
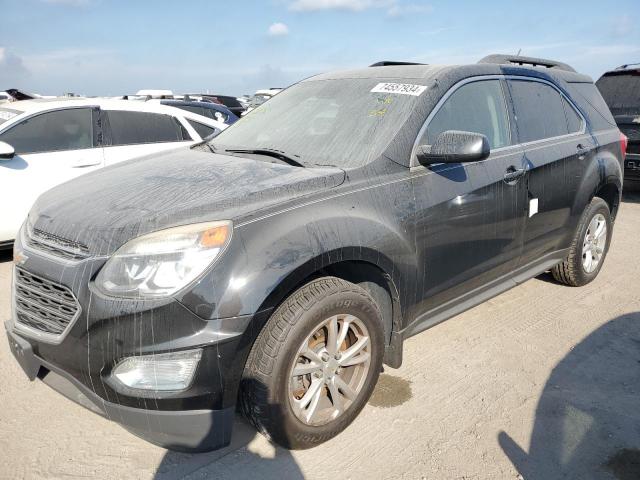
[(161, 263)]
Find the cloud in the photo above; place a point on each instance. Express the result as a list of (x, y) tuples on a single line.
[(278, 30), (351, 5), (12, 69)]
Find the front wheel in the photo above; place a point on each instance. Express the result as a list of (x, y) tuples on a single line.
[(589, 247), (314, 365)]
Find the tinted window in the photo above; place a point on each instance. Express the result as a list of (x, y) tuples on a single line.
[(539, 111), (592, 104), (621, 91), (53, 131), (477, 107), (574, 122), (203, 130), (132, 128)]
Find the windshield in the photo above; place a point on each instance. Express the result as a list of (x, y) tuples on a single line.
[(7, 114), (621, 91), (345, 123)]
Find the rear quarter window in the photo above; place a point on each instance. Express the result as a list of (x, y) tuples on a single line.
[(588, 98)]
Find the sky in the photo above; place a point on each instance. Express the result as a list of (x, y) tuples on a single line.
[(112, 47)]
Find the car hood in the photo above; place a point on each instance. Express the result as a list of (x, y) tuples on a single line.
[(103, 210)]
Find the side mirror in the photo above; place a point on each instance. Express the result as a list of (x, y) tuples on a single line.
[(7, 152), (454, 146)]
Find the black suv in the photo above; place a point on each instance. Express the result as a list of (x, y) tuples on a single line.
[(621, 90), (278, 266)]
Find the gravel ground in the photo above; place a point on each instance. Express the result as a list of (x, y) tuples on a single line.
[(542, 382)]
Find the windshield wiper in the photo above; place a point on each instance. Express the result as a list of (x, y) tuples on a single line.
[(269, 153)]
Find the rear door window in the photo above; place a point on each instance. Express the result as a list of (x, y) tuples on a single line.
[(70, 129), (477, 107), (203, 130), (539, 111), (135, 128)]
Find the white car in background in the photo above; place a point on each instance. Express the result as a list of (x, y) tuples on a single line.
[(46, 142), (260, 97)]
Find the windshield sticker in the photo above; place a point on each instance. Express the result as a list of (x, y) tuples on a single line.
[(399, 88)]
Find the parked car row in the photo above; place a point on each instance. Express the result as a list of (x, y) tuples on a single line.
[(47, 142), (277, 266), (621, 90)]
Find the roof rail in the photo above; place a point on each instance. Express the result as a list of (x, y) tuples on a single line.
[(626, 65), (519, 60), (389, 63)]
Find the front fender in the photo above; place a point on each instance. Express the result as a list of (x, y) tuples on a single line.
[(272, 256)]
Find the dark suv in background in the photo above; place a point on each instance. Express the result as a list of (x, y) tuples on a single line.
[(299, 248), (621, 90)]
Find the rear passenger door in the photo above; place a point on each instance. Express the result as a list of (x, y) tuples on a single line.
[(551, 132), (130, 134)]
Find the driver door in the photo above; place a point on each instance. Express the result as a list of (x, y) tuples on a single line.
[(470, 216)]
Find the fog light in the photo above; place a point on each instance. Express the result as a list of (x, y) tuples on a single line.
[(161, 372)]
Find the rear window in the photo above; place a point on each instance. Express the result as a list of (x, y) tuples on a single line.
[(134, 128), (621, 91), (539, 111)]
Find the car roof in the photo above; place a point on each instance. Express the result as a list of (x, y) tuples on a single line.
[(428, 72), (43, 104), (37, 105)]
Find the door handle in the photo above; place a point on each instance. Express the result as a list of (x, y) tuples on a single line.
[(582, 151), (513, 174)]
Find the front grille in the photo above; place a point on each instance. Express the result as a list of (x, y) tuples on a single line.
[(55, 245), (42, 305)]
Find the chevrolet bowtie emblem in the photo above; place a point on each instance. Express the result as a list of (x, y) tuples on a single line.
[(19, 258)]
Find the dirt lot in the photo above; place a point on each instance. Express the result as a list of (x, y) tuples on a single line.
[(542, 382)]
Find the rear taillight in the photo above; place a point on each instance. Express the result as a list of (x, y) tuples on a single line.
[(624, 142)]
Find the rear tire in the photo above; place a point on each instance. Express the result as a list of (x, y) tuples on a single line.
[(325, 312), (589, 246)]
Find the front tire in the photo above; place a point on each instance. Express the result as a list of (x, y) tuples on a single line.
[(589, 247), (314, 365)]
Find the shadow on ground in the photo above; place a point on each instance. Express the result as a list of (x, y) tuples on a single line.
[(631, 196), (6, 255), (223, 463), (587, 422)]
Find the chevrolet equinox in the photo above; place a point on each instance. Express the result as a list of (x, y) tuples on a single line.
[(275, 268)]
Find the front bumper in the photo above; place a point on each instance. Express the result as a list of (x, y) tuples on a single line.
[(187, 430), (106, 330)]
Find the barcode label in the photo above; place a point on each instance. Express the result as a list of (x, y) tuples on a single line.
[(399, 88)]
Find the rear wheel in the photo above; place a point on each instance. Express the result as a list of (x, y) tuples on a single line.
[(314, 365), (589, 247)]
